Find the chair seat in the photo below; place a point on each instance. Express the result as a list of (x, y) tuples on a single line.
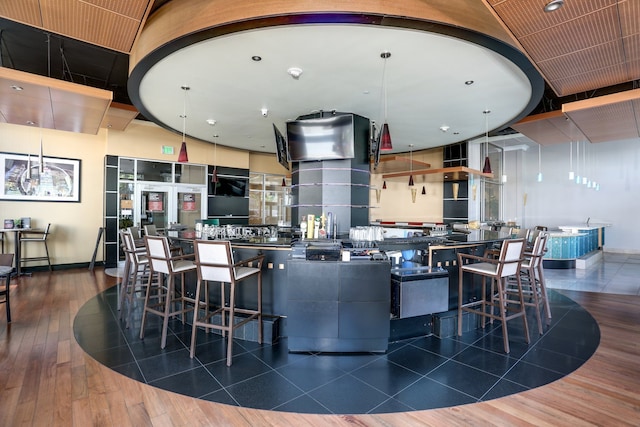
[(485, 268), (4, 270), (242, 272), (183, 265)]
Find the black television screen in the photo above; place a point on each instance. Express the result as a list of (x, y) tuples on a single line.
[(321, 139), (230, 186), (281, 148)]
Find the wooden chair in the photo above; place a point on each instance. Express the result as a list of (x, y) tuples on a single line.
[(162, 294), (6, 268), (497, 270), (35, 236), (214, 261), (135, 277), (532, 277)]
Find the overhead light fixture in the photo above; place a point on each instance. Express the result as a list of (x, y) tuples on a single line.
[(384, 185), (487, 163), (424, 190), (256, 58), (411, 165), (211, 122), (183, 157), (469, 82), (578, 179), (295, 72), (214, 174), (571, 174), (16, 87), (444, 128), (264, 112), (539, 163), (553, 5), (385, 139)]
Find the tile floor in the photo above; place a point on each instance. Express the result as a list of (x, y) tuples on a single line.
[(414, 374)]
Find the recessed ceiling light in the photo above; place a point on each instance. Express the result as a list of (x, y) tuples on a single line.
[(469, 82), (385, 55), (16, 87), (553, 5), (211, 122), (256, 58), (486, 112), (295, 72), (444, 128), (31, 122)]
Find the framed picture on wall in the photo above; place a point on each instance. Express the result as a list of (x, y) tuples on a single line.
[(28, 177)]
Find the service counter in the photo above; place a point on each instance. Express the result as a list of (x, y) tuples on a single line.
[(338, 306)]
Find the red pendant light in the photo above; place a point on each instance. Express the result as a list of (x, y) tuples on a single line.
[(385, 138), (384, 185), (183, 157)]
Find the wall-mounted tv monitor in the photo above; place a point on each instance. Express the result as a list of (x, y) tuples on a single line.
[(282, 151), (234, 186), (321, 139)]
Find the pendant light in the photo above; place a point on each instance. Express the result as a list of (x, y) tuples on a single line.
[(578, 179), (584, 164), (41, 157), (571, 174), (487, 164), (214, 174), (384, 185), (539, 163), (385, 138), (411, 165), (29, 167), (424, 190), (183, 156)]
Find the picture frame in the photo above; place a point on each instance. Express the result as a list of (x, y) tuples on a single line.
[(23, 178)]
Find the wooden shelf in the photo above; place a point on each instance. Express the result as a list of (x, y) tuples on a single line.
[(389, 164), (455, 173)]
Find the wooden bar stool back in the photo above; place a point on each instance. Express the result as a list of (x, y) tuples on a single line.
[(35, 236), (6, 268), (136, 275), (532, 277), (497, 270), (215, 263), (162, 294)]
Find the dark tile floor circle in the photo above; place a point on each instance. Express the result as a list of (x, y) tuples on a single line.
[(415, 374)]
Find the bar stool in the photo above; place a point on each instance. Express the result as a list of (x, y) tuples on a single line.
[(35, 236), (214, 261), (497, 270), (135, 277), (163, 265), (532, 277), (6, 268)]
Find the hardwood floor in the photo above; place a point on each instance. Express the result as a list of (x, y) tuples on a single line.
[(47, 379)]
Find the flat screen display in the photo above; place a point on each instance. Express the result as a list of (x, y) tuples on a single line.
[(230, 186), (281, 148), (321, 139)]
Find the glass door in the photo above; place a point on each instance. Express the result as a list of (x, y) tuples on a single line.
[(190, 204), (156, 205)]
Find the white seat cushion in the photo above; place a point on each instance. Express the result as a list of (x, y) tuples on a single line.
[(242, 272), (4, 270), (183, 265), (485, 268)]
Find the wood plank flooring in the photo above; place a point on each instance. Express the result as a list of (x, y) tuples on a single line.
[(46, 379)]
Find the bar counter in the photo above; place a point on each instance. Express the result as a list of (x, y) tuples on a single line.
[(439, 253)]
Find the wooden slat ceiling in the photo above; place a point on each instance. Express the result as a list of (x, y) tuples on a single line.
[(581, 47), (112, 24)]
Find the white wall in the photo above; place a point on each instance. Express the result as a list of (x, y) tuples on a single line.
[(558, 201)]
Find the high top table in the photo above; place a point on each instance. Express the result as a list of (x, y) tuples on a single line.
[(17, 232)]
